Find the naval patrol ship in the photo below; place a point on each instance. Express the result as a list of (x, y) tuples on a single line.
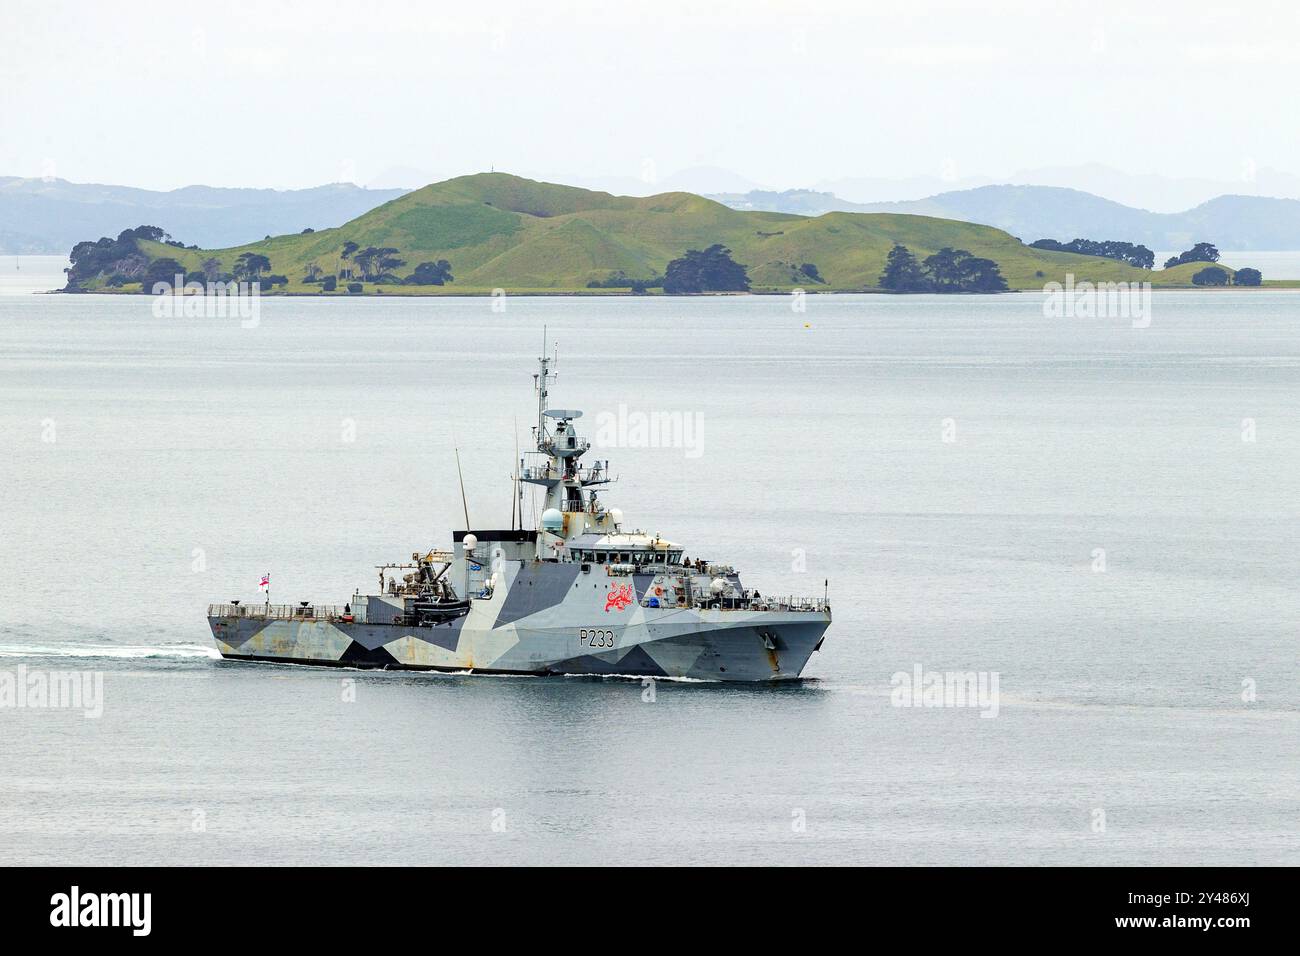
[(581, 593)]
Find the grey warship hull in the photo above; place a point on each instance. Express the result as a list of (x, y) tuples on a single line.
[(544, 618)]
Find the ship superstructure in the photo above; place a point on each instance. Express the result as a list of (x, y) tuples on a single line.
[(580, 593)]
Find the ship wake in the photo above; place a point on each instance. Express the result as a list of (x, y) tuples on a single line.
[(86, 649)]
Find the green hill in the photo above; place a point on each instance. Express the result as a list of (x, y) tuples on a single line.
[(502, 231)]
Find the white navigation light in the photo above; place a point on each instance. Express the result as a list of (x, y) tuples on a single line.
[(552, 520), (471, 542)]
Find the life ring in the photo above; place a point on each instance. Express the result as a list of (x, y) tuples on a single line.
[(659, 590)]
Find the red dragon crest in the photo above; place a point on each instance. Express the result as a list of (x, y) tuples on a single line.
[(619, 597)]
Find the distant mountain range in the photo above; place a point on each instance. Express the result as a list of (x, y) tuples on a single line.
[(49, 216), (1156, 192), (39, 216), (1049, 212)]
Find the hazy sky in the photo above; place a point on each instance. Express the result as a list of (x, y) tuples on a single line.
[(783, 93)]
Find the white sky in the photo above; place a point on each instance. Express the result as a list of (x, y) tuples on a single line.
[(784, 93)]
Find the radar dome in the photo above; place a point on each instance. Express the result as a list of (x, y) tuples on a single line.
[(616, 516), (552, 520), (470, 542)]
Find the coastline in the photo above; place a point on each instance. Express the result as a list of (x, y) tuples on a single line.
[(1269, 285)]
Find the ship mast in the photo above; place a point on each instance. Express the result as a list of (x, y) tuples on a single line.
[(569, 500), (541, 382)]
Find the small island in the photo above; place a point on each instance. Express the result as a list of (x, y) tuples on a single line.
[(493, 232)]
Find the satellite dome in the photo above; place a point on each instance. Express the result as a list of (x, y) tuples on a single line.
[(718, 585), (552, 520), (616, 516), (470, 542)]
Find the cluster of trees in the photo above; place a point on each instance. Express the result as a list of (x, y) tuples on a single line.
[(948, 270), (250, 267), (1218, 276), (119, 259), (1213, 275), (160, 270), (810, 271), (710, 270), (621, 280), (1139, 256), (1201, 252), (372, 264), (431, 273), (1144, 258), (376, 264)]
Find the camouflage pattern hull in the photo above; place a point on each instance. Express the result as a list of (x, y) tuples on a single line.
[(579, 591), (548, 618)]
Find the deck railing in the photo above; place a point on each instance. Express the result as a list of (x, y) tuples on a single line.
[(787, 602), (280, 612), (706, 600)]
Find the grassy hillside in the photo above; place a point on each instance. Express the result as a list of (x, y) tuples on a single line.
[(501, 231)]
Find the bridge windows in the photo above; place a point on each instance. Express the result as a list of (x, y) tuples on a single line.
[(638, 557)]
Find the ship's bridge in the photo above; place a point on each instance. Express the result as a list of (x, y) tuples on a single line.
[(623, 548)]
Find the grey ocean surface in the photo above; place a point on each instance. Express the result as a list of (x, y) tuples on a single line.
[(154, 465)]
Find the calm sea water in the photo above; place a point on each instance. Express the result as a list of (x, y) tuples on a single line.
[(154, 465), (24, 275)]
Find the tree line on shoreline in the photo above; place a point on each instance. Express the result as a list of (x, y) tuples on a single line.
[(121, 262), (1144, 258), (946, 271), (713, 269), (1134, 255), (1213, 275)]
